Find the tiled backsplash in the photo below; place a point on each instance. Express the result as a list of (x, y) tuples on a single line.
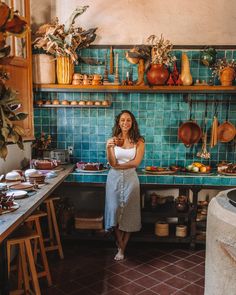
[(158, 115)]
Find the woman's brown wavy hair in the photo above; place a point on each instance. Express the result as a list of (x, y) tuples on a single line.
[(134, 133)]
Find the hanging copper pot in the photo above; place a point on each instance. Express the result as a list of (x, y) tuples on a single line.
[(189, 132), (226, 131)]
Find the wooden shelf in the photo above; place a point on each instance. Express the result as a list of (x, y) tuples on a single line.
[(70, 106), (134, 89)]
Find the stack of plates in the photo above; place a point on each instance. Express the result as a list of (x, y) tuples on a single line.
[(36, 178)]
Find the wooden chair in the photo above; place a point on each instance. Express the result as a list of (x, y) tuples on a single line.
[(27, 273), (54, 235)]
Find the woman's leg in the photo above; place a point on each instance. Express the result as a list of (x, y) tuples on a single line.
[(122, 240)]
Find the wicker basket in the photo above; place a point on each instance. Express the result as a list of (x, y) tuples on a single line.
[(161, 229), (89, 220)]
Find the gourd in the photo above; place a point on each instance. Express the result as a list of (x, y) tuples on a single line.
[(185, 74)]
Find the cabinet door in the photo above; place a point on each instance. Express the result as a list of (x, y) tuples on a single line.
[(20, 68)]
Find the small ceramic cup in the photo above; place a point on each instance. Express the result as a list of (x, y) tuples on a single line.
[(97, 77), (96, 82), (119, 141)]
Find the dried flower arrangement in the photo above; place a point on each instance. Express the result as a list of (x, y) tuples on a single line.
[(64, 39), (161, 50), (10, 24), (220, 65), (43, 142)]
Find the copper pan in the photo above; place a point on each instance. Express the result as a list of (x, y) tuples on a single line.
[(189, 132), (226, 131)]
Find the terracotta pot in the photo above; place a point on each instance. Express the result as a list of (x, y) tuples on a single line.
[(65, 70), (157, 74), (227, 75)]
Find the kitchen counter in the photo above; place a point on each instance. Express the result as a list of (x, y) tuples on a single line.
[(178, 179)]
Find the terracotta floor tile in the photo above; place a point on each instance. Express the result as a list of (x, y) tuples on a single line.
[(199, 269), (101, 287), (145, 268), (157, 263), (132, 274), (200, 282), (163, 289), (189, 276), (177, 283), (173, 269), (148, 292), (185, 264), (117, 281), (180, 253), (196, 258), (147, 281), (132, 288), (69, 286), (161, 275), (194, 289), (170, 258)]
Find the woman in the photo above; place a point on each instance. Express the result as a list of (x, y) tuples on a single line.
[(122, 209)]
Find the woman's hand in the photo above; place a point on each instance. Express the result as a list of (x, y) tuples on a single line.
[(110, 143)]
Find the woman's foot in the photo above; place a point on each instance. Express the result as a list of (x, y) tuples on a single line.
[(119, 255)]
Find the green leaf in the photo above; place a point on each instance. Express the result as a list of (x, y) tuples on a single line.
[(20, 143)]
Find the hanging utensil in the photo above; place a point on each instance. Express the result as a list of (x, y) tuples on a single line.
[(204, 154), (111, 61), (226, 130), (214, 128), (189, 132)]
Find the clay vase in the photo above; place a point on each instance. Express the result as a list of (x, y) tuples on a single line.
[(158, 74), (65, 70), (227, 75)]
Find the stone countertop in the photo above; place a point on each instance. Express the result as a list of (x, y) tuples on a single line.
[(10, 221), (179, 178)]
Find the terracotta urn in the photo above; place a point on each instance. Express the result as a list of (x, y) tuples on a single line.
[(158, 74), (227, 75)]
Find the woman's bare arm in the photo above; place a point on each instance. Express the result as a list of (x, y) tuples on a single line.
[(136, 161), (110, 152)]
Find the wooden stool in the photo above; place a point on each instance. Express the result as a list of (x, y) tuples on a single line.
[(54, 235), (22, 238), (34, 221)]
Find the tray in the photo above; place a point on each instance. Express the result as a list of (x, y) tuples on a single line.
[(90, 171), (13, 208), (22, 186), (227, 173), (197, 173), (164, 172)]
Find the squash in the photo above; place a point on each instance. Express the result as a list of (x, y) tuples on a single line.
[(185, 74)]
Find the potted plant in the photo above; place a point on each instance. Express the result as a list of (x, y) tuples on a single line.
[(161, 58), (63, 41), (225, 71), (10, 24)]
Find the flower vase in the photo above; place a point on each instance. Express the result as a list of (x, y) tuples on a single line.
[(158, 74), (65, 70), (227, 75)]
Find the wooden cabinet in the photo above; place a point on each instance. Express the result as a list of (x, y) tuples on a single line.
[(20, 68)]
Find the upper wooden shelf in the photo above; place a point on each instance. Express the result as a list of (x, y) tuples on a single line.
[(130, 89)]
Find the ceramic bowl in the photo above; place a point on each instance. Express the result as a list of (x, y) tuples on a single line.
[(13, 176)]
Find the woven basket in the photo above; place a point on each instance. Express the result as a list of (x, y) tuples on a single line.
[(89, 220)]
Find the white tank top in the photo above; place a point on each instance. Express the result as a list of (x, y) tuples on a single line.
[(124, 155)]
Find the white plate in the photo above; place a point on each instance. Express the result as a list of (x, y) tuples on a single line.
[(90, 171), (17, 194)]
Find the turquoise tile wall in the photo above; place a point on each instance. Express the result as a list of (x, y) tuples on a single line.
[(158, 115)]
